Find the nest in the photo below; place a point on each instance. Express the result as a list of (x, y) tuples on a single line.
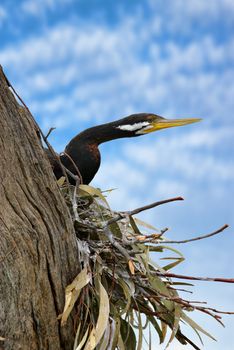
[(120, 293)]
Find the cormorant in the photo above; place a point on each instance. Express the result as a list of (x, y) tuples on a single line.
[(83, 148)]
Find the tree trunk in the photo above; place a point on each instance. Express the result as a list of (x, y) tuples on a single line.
[(38, 251)]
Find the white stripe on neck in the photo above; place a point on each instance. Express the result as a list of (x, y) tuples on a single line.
[(133, 127)]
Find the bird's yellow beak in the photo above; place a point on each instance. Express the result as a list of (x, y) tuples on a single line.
[(159, 124)]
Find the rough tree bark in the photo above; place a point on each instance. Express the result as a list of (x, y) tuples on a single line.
[(38, 251)]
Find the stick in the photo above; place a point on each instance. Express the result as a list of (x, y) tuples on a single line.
[(184, 277), (49, 132), (121, 215), (221, 229), (75, 166), (152, 205)]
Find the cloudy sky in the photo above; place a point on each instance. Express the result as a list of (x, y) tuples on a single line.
[(77, 63)]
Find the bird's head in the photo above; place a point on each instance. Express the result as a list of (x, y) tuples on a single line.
[(144, 123)]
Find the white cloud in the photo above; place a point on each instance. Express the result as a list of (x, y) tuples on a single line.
[(185, 16), (191, 155), (130, 182), (120, 171), (167, 187), (200, 7), (37, 8), (116, 77), (3, 15)]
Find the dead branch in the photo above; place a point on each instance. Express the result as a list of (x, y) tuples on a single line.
[(49, 132), (221, 229), (152, 205), (195, 278)]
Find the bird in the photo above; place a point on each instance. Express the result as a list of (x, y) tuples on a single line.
[(82, 156)]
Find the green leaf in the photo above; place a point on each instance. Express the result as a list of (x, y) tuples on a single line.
[(150, 341), (172, 249), (177, 314), (159, 285), (115, 230), (93, 192), (134, 226), (164, 330), (173, 264), (127, 335), (140, 332), (145, 224), (195, 326), (115, 338), (127, 293), (155, 324)]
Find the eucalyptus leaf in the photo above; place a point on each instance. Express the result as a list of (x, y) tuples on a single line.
[(128, 336), (102, 321), (194, 325), (73, 291)]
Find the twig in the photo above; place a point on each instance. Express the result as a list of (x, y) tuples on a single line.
[(180, 290), (152, 205), (111, 289), (75, 166), (158, 315), (74, 201), (116, 244), (221, 229), (122, 214), (49, 132), (184, 277), (16, 94), (190, 304), (154, 237), (163, 231)]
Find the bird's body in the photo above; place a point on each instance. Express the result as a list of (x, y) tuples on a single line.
[(82, 156)]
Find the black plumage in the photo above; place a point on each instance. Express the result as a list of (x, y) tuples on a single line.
[(82, 151)]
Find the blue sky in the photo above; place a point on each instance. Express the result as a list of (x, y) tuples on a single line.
[(85, 62)]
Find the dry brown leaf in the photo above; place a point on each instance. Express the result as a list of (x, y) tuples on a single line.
[(141, 238), (131, 267)]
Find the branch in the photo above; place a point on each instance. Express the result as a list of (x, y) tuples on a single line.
[(116, 244), (221, 229), (122, 214), (75, 166), (184, 277), (152, 205), (49, 132), (153, 238), (74, 201)]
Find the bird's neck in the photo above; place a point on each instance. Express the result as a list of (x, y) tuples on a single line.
[(101, 133), (83, 148)]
